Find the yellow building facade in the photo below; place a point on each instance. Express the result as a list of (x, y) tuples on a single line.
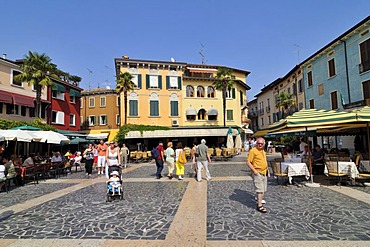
[(181, 96)]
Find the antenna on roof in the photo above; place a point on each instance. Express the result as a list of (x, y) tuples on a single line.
[(90, 72), (201, 52)]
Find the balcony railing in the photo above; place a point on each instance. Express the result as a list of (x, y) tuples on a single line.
[(360, 103)]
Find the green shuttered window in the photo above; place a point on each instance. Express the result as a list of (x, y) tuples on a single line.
[(154, 108)]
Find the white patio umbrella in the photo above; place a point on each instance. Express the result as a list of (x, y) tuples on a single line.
[(50, 137), (238, 141), (230, 140), (16, 135)]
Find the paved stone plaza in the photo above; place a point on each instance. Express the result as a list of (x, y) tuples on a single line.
[(72, 211)]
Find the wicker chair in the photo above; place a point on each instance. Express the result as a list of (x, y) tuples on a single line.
[(332, 167), (276, 169)]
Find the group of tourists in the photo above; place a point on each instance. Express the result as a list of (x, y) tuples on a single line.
[(177, 158)]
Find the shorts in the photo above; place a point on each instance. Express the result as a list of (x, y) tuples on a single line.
[(260, 183)]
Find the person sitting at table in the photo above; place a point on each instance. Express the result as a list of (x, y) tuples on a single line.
[(305, 152), (56, 157), (29, 161), (10, 168), (318, 162), (77, 159)]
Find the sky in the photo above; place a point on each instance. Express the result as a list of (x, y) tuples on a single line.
[(266, 37)]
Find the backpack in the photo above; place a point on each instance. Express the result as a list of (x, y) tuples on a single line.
[(155, 153), (182, 157)]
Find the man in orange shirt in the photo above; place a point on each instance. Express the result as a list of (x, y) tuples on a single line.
[(102, 150), (257, 162)]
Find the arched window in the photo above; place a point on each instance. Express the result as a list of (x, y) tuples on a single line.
[(210, 92), (201, 114), (200, 92), (189, 91)]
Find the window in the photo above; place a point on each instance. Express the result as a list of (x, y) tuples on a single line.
[(288, 90), (241, 97), (133, 108), (118, 119), (1, 107), (269, 118), (230, 93), (331, 66), (72, 120), (57, 117), (135, 80), (312, 104), (366, 89), (173, 82), (200, 92), (72, 99), (91, 102), (92, 120), (229, 114), (309, 78), (57, 94), (103, 120), (189, 91), (300, 86), (210, 92), (365, 56), (334, 100), (154, 108), (13, 81), (262, 123), (103, 100), (174, 108), (201, 114), (153, 81), (23, 110), (32, 112), (190, 117)]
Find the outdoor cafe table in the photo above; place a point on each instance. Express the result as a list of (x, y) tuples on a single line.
[(293, 160), (346, 167), (366, 164), (295, 169)]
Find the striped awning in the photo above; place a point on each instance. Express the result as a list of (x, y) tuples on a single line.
[(260, 133), (362, 114), (212, 112), (191, 111)]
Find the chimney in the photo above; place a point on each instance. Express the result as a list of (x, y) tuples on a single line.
[(125, 57), (4, 55)]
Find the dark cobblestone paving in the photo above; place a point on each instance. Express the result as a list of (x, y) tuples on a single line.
[(149, 171), (29, 191), (228, 169), (146, 213), (294, 214), (365, 189)]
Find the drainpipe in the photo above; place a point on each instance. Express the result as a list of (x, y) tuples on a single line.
[(346, 63)]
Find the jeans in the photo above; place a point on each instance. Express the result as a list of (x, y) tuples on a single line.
[(159, 164)]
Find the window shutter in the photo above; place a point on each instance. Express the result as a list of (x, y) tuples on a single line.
[(174, 108), (241, 97), (179, 80), (167, 82), (147, 81), (139, 83), (160, 82), (98, 122), (233, 93)]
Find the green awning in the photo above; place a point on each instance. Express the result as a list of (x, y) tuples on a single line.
[(75, 93), (58, 87)]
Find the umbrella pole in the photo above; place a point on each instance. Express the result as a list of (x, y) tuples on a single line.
[(368, 137), (312, 184)]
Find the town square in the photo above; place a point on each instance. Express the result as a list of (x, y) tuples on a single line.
[(185, 123)]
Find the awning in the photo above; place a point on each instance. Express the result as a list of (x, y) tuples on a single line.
[(75, 93), (58, 87), (201, 70), (6, 97), (191, 112), (70, 133), (177, 133), (260, 133), (97, 136), (23, 100), (212, 112)]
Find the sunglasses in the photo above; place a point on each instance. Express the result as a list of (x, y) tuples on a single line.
[(259, 143)]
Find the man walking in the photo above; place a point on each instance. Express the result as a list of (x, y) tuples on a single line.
[(257, 162), (203, 160)]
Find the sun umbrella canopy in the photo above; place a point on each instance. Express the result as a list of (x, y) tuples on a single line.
[(49, 137), (238, 141), (79, 140), (25, 127), (230, 141), (16, 135)]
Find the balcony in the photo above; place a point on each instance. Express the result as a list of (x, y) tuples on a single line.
[(267, 109), (356, 104), (261, 111)]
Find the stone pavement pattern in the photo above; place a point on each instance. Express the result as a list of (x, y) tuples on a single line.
[(72, 211)]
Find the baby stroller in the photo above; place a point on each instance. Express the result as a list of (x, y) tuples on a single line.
[(116, 185)]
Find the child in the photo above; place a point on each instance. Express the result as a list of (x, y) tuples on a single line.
[(114, 181)]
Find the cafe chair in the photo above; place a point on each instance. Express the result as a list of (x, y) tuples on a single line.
[(218, 155), (276, 169), (332, 167), (139, 156), (145, 157)]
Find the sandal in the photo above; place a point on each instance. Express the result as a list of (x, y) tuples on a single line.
[(261, 209)]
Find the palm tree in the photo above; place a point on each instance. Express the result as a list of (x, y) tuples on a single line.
[(37, 71), (285, 101), (224, 81), (124, 84)]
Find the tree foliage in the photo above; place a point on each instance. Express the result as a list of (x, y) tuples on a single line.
[(37, 122), (224, 80), (124, 85), (121, 135)]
